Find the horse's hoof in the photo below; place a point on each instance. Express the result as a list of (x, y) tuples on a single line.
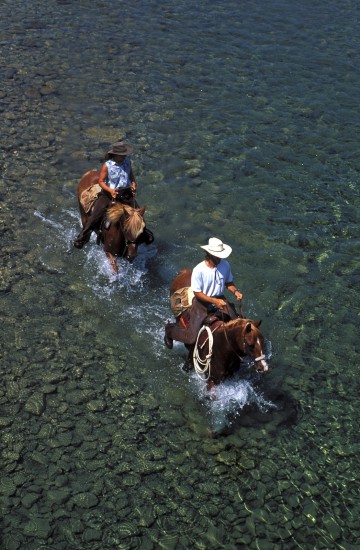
[(78, 244), (188, 366)]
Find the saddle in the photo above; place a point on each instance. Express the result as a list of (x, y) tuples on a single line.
[(215, 315)]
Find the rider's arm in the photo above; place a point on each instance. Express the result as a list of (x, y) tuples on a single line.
[(102, 181), (218, 302), (230, 286)]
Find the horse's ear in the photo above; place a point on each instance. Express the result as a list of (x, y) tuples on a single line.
[(142, 210), (248, 327), (257, 323)]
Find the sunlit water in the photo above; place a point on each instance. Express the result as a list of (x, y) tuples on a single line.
[(245, 122)]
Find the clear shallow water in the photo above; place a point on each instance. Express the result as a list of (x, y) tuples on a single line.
[(245, 122)]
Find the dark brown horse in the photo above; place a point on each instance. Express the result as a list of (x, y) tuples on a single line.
[(122, 229), (223, 347)]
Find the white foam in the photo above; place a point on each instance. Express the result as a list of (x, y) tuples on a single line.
[(227, 400)]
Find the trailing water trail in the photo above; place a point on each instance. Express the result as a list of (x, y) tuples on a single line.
[(120, 292)]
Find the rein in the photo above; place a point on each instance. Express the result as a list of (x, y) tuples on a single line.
[(232, 347)]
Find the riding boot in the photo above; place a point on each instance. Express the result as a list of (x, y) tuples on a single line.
[(148, 236)]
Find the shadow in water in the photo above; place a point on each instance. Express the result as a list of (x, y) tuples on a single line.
[(284, 413)]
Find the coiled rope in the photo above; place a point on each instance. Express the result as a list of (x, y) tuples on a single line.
[(202, 366)]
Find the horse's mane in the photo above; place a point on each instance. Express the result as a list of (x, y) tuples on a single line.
[(240, 321), (134, 222)]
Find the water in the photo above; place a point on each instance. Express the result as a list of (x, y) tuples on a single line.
[(245, 121)]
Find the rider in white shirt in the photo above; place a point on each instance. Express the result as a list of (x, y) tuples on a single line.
[(208, 282)]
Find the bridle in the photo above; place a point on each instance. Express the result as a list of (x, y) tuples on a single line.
[(248, 353), (253, 360), (127, 242)]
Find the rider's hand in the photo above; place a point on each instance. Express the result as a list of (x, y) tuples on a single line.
[(238, 295), (133, 188), (113, 194), (220, 304)]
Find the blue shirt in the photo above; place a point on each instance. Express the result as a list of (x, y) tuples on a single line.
[(118, 174)]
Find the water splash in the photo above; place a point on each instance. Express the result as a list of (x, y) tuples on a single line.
[(227, 401)]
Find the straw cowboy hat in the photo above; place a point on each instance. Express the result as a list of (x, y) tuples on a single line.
[(217, 248), (120, 148)]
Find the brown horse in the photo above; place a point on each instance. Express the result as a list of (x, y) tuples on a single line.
[(122, 229), (222, 347)]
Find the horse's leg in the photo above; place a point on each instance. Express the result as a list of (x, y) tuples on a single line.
[(189, 363), (112, 260)]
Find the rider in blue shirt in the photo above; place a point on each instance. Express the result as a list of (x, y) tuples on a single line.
[(117, 181)]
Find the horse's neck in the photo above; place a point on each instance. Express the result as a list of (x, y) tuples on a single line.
[(234, 336)]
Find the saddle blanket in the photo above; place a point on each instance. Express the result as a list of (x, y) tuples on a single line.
[(89, 196), (181, 300)]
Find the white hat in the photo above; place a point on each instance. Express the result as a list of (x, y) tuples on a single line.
[(217, 248)]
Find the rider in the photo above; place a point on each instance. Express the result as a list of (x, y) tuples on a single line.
[(208, 281), (117, 182)]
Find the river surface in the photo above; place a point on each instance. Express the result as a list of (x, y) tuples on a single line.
[(244, 117)]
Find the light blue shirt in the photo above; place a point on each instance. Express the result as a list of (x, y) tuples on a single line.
[(118, 174), (211, 281)]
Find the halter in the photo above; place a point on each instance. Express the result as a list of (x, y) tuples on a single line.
[(253, 360), (126, 246)]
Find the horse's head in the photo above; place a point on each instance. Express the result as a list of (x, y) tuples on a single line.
[(254, 345), (131, 224)]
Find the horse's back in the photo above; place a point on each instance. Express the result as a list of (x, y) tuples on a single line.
[(182, 280), (89, 178)]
